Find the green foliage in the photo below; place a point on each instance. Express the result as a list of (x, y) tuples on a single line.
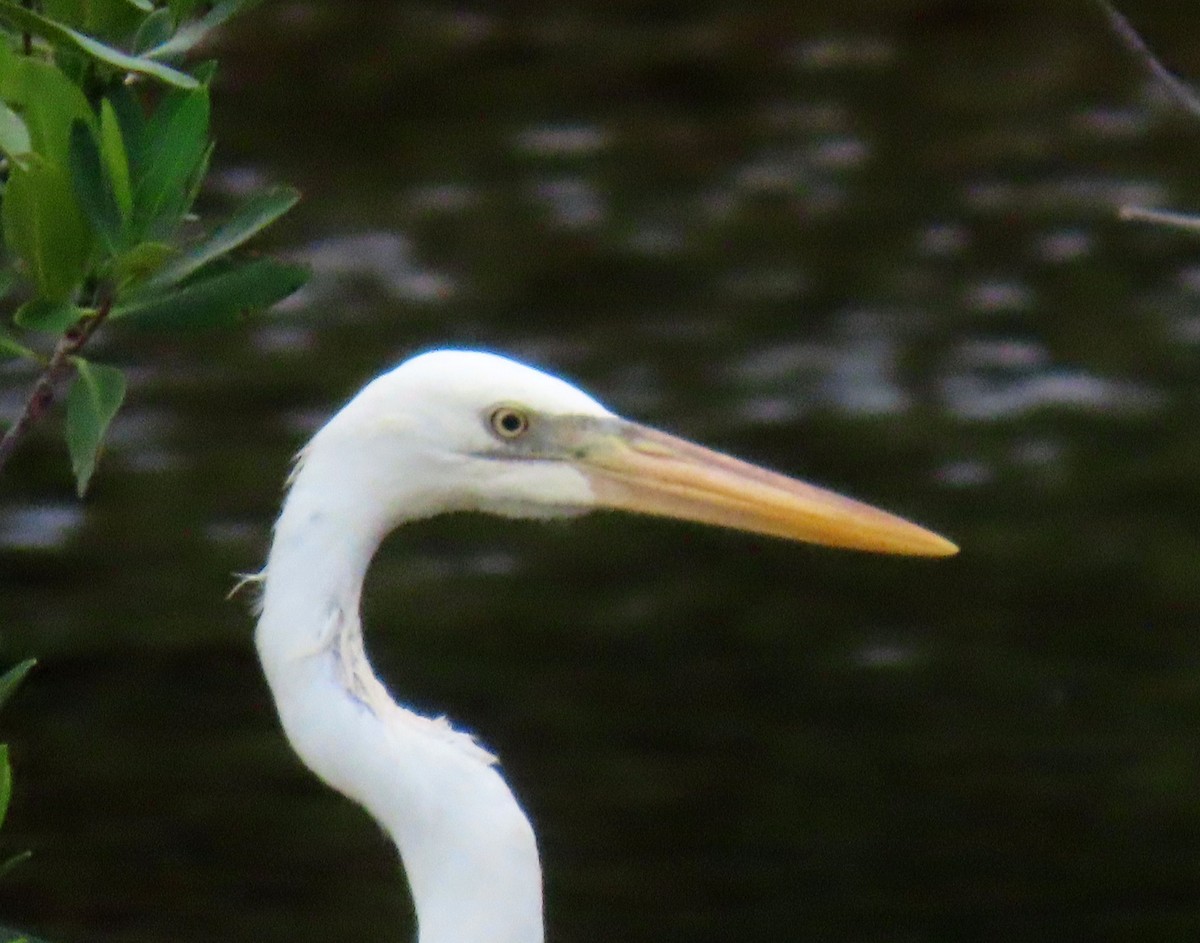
[(43, 225), (10, 347), (42, 314), (175, 150), (94, 399), (12, 678), (65, 37), (8, 684), (189, 34), (257, 213), (102, 174), (218, 295)]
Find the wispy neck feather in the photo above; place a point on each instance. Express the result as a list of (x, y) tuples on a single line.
[(468, 849)]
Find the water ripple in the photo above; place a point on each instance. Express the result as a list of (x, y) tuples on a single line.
[(39, 526)]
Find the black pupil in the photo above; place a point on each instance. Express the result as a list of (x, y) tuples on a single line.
[(511, 422)]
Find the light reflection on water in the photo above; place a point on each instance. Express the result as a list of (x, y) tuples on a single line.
[(832, 242), (39, 527)]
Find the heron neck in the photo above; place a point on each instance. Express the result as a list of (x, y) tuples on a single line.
[(468, 850)]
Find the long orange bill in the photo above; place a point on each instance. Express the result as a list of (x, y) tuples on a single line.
[(635, 468)]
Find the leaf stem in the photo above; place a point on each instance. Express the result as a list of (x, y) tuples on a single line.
[(41, 397)]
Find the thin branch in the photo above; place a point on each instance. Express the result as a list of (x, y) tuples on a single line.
[(1139, 214), (42, 396), (1182, 94)]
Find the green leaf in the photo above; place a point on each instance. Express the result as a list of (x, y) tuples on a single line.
[(254, 215), (48, 102), (45, 228), (140, 262), (155, 30), (7, 866), (132, 121), (13, 677), (182, 9), (116, 160), (64, 36), (176, 142), (92, 188), (112, 21), (94, 399), (10, 347), (199, 172), (188, 36), (39, 314), (68, 12), (14, 136), (216, 299)]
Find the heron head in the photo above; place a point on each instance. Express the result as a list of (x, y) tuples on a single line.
[(465, 430)]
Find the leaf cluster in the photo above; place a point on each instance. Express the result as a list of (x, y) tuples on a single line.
[(8, 684), (104, 143)]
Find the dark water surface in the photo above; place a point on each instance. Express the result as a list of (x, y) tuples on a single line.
[(870, 243)]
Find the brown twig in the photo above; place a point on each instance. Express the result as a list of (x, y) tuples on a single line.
[(1179, 91), (41, 397), (1141, 214)]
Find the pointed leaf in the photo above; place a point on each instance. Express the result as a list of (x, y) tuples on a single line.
[(13, 677), (254, 215), (188, 36), (10, 347), (196, 181), (68, 38), (7, 866), (116, 160), (94, 399), (217, 299), (44, 226), (39, 314), (176, 141), (132, 121), (92, 188)]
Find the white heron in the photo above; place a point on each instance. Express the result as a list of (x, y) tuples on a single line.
[(456, 430)]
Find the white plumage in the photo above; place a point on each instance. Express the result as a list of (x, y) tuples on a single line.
[(468, 431)]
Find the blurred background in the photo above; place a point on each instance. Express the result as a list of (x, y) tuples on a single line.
[(874, 244)]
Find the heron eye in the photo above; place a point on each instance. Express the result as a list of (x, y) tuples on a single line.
[(509, 423)]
